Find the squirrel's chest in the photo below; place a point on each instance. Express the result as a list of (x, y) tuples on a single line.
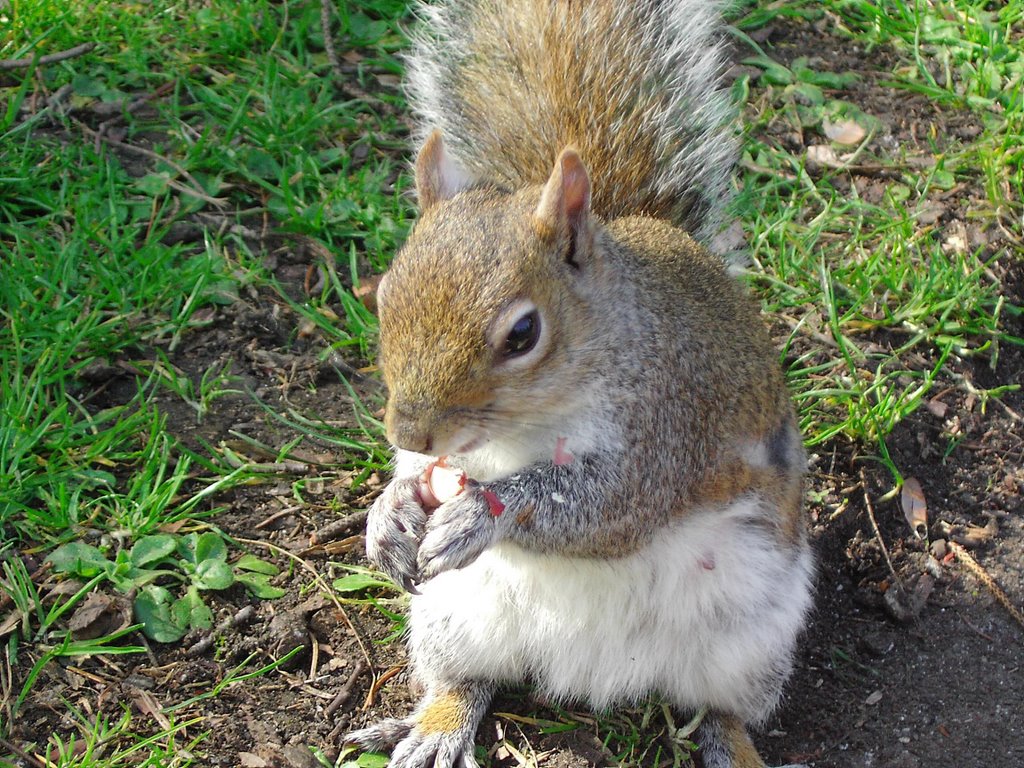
[(710, 601)]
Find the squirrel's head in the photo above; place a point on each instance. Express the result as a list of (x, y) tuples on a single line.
[(485, 313)]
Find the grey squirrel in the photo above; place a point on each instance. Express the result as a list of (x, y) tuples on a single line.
[(627, 519)]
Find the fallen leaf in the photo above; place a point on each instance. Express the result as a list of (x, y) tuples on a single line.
[(822, 156), (906, 604), (366, 291), (100, 615), (930, 213), (915, 508), (307, 328), (172, 527), (147, 704), (9, 624), (732, 238), (843, 131)]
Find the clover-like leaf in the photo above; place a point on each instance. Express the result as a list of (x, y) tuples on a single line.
[(209, 546), (773, 73), (249, 562), (153, 184), (153, 611), (213, 574), (190, 611), (809, 93), (139, 577), (77, 558), (259, 585), (371, 760), (149, 549)]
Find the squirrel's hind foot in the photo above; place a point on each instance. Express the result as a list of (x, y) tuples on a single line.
[(723, 742), (413, 748), (439, 735)]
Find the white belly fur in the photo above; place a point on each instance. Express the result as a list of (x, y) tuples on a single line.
[(706, 615)]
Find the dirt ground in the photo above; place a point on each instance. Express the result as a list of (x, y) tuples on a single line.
[(880, 681)]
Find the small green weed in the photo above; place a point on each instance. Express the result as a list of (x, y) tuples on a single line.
[(362, 585), (803, 92), (198, 562), (359, 579), (352, 757), (17, 584)]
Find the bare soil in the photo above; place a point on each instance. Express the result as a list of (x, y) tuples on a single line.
[(880, 681)]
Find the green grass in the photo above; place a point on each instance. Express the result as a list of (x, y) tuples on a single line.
[(88, 278), (883, 302), (226, 119), (102, 742)]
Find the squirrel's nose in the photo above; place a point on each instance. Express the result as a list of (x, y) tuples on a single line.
[(406, 431)]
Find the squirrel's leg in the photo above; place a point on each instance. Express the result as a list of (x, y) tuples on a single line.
[(723, 742), (441, 732)]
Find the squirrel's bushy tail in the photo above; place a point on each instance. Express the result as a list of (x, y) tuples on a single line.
[(632, 84)]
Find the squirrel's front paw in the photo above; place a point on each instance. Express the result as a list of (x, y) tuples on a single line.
[(458, 531), (394, 528)]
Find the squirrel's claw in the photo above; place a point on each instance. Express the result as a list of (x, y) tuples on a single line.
[(457, 532), (394, 528), (440, 749), (413, 749), (434, 750), (381, 736)]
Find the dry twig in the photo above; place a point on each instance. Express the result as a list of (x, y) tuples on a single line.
[(31, 760), (50, 58), (206, 642), (333, 530), (326, 7), (976, 568), (378, 683), (345, 692), (874, 526)]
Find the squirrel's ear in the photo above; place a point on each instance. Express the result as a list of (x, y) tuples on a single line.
[(565, 200), (438, 176)]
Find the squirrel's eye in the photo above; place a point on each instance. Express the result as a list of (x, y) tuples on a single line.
[(524, 334)]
